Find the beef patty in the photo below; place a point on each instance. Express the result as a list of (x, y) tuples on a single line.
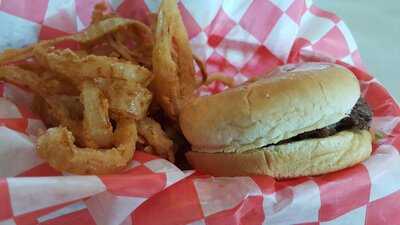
[(359, 118)]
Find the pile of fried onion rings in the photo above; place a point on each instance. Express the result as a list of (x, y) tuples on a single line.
[(98, 99)]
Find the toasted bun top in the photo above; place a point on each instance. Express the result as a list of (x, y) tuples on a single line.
[(290, 100)]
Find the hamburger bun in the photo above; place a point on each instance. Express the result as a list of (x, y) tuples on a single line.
[(229, 131), (302, 158)]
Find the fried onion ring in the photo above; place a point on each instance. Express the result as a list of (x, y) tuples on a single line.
[(156, 138), (126, 98), (88, 37), (174, 81), (98, 30), (77, 68), (57, 147), (55, 111), (202, 68), (43, 84), (96, 123)]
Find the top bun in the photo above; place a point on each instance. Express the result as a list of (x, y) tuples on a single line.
[(290, 100)]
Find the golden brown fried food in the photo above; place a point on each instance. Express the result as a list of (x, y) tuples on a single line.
[(20, 77), (126, 98), (63, 111), (32, 66), (77, 68), (133, 43), (12, 55), (96, 123), (44, 84), (121, 49), (71, 103), (57, 147), (55, 84), (67, 108), (78, 91), (89, 37), (161, 145), (99, 14), (41, 108), (126, 102), (202, 68), (174, 81), (98, 30)]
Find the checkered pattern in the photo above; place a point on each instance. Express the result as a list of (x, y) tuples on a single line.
[(102, 200), (243, 38), (34, 193)]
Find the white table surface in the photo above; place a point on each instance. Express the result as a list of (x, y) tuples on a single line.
[(375, 26)]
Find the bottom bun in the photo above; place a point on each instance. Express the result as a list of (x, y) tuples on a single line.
[(302, 158)]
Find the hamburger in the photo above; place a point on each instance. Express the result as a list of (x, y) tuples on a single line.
[(299, 120)]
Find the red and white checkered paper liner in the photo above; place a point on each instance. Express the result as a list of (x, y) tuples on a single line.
[(241, 38)]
